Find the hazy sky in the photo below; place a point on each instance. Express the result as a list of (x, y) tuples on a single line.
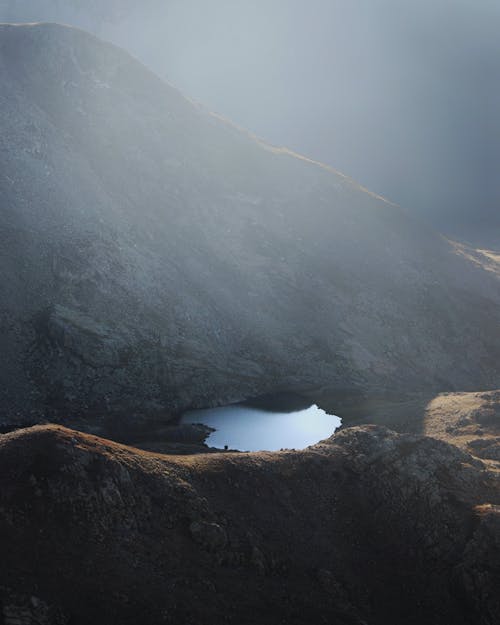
[(402, 95)]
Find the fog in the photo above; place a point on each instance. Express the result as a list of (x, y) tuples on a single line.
[(402, 96)]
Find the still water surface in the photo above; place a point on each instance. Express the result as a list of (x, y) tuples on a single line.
[(252, 429)]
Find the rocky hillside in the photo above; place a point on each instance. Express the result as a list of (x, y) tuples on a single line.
[(154, 257), (365, 527)]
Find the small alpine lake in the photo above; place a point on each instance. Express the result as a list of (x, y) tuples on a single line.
[(246, 428)]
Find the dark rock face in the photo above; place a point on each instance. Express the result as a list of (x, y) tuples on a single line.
[(365, 527), (155, 258)]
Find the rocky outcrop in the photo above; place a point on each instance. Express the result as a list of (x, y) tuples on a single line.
[(366, 527), (469, 420), (154, 257)]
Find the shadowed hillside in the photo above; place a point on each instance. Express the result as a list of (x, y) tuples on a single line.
[(155, 257), (366, 527)]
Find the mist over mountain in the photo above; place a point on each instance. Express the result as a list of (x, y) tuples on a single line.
[(155, 258), (402, 96)]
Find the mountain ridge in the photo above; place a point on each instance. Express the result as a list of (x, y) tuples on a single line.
[(417, 126), (92, 531)]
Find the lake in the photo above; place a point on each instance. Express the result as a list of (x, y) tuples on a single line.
[(253, 429)]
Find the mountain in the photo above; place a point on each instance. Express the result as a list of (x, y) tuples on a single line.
[(155, 257), (402, 96), (366, 527)]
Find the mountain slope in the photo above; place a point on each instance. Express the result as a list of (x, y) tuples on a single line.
[(155, 257), (349, 83)]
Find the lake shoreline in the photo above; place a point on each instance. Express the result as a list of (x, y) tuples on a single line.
[(248, 428)]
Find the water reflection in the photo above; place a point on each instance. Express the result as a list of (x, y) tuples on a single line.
[(252, 429)]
